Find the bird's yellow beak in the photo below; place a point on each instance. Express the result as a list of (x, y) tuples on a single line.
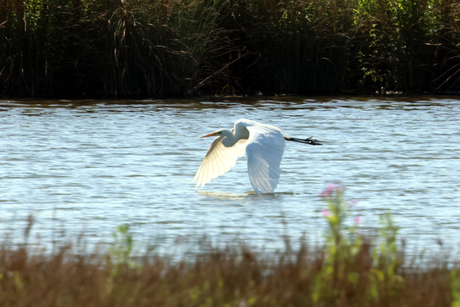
[(211, 134)]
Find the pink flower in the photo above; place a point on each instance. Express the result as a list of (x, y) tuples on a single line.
[(326, 213), (357, 219), (330, 189)]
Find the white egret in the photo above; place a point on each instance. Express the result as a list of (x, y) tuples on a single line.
[(264, 147)]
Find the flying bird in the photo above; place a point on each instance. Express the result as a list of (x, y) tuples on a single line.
[(263, 145)]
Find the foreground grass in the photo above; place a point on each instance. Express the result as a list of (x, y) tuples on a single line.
[(150, 48), (219, 278), (347, 271)]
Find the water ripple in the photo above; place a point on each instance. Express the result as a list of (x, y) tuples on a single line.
[(89, 166)]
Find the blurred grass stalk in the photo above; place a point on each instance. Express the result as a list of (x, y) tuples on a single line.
[(350, 269), (175, 48)]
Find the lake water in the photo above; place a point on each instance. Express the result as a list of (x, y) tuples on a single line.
[(86, 167)]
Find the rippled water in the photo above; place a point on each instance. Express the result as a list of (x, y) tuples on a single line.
[(89, 166)]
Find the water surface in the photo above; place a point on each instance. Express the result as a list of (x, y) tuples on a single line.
[(85, 167)]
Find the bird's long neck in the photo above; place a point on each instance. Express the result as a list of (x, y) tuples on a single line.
[(230, 138), (233, 136)]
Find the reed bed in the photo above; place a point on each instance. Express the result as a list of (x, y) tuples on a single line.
[(219, 277), (176, 48), (350, 269)]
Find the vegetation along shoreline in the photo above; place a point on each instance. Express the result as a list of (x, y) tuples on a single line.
[(186, 48)]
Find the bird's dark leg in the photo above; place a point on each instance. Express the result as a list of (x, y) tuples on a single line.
[(309, 140)]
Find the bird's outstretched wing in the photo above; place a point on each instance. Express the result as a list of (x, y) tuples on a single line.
[(218, 160), (264, 150)]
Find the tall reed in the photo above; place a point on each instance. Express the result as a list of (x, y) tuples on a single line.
[(139, 48), (394, 44), (112, 48), (302, 44), (448, 46)]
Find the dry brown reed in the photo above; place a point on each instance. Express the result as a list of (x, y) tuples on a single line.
[(220, 277), (346, 271)]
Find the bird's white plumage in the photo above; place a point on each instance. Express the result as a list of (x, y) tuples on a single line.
[(264, 151), (264, 147), (218, 160)]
